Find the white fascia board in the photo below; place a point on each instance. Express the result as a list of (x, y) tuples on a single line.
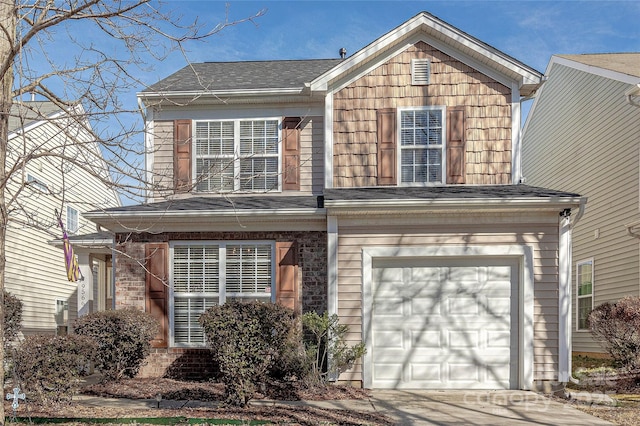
[(430, 25), (602, 72), (219, 93), (453, 203), (35, 124), (328, 141), (149, 142), (128, 221), (516, 135)]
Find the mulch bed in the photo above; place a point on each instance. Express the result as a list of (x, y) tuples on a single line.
[(210, 391)]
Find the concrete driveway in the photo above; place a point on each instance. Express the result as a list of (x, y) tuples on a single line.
[(414, 407)]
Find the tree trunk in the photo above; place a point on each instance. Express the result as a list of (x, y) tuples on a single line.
[(7, 40)]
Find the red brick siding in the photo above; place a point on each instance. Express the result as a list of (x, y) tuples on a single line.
[(130, 287)]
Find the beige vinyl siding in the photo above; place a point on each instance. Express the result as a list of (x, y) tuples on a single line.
[(162, 159), (540, 232), (311, 157), (583, 138), (487, 106), (35, 270)]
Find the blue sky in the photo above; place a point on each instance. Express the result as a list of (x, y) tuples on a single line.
[(530, 31)]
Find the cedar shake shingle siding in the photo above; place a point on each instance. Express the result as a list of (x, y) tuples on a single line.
[(486, 103)]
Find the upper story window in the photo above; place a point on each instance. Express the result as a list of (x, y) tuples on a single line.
[(72, 220), (237, 155), (584, 290), (422, 145)]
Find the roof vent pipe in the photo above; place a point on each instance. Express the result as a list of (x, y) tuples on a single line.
[(343, 52)]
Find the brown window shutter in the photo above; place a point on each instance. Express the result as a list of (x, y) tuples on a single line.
[(157, 290), (387, 146), (182, 155), (456, 147), (291, 153), (287, 291)]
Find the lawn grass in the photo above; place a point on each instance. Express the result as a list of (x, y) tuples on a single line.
[(583, 362)]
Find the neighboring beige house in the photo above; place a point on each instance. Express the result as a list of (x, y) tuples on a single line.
[(35, 269), (382, 187), (583, 135)]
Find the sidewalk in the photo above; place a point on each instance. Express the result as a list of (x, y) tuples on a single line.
[(415, 407)]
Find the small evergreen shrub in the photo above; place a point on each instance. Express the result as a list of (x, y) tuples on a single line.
[(123, 338), (617, 327), (49, 367), (12, 318), (246, 340), (327, 350)]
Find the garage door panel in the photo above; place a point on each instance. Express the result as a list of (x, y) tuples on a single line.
[(445, 324), (392, 307), (426, 339)]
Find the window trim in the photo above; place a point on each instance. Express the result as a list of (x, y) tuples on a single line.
[(588, 261), (443, 176), (236, 154), (222, 295)]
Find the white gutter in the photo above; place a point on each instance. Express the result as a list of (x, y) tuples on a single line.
[(443, 203), (220, 93), (202, 214), (633, 96)]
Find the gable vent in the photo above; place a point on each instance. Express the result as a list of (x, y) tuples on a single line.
[(420, 71)]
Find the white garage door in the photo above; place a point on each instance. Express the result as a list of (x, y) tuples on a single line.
[(444, 324)]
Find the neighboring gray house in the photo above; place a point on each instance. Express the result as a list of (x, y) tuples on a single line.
[(583, 135), (382, 187)]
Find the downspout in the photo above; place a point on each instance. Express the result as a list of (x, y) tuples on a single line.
[(633, 96), (564, 280)]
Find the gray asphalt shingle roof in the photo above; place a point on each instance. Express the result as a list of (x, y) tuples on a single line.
[(24, 113), (249, 75), (279, 202), (257, 202), (445, 192)]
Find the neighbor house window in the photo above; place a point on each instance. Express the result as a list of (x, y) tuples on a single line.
[(237, 155), (584, 281), (205, 274), (421, 145), (36, 183), (72, 220)]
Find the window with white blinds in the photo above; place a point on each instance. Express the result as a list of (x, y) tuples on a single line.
[(210, 273), (421, 145), (237, 155)]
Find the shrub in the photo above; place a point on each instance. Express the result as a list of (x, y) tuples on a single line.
[(617, 327), (49, 367), (123, 338), (12, 318), (326, 347), (246, 340)]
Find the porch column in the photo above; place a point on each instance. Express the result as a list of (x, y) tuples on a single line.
[(564, 299), (85, 285)]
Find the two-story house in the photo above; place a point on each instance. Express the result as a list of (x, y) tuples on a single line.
[(42, 187), (582, 135), (381, 187)]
